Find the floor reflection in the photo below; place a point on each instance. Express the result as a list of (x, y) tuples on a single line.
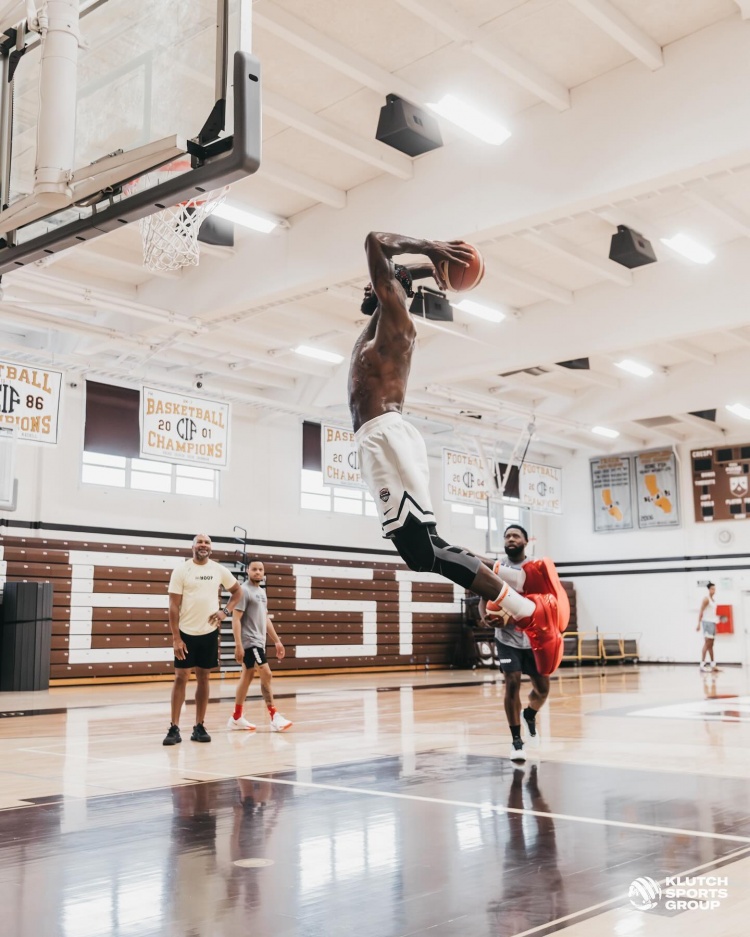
[(439, 844)]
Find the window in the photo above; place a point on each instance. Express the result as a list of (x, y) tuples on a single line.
[(512, 514), (315, 496), (147, 475)]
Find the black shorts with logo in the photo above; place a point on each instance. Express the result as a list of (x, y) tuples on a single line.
[(202, 651), (253, 656), (515, 659)]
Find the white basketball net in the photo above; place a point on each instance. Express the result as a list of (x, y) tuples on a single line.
[(170, 237)]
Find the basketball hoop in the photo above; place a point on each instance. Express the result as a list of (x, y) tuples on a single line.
[(170, 236)]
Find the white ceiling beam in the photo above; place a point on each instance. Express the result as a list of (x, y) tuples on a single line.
[(538, 387), (690, 351), (332, 53), (702, 195), (738, 335), (502, 271), (624, 32), (498, 57), (303, 183), (744, 6), (320, 128), (602, 266), (706, 426)]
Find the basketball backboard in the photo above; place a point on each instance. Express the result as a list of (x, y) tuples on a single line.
[(154, 80)]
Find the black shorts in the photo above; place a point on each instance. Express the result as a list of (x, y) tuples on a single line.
[(253, 656), (516, 659), (202, 651)]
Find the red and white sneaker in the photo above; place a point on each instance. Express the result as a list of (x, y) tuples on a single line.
[(240, 724), (543, 631), (542, 578), (280, 724)]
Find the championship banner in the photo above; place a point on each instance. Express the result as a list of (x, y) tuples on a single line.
[(540, 487), (611, 483), (30, 401), (463, 478), (656, 488), (178, 428), (339, 457)]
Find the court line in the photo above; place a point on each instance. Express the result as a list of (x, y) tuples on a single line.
[(585, 913), (417, 798)]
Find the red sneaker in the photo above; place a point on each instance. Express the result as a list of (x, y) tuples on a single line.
[(543, 631), (542, 579)]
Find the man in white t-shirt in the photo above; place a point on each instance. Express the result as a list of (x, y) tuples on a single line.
[(194, 619)]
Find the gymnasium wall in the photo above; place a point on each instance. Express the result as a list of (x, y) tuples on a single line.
[(647, 581), (333, 610), (260, 491)]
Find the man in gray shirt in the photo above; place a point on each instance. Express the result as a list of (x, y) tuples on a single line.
[(250, 624), (516, 656)]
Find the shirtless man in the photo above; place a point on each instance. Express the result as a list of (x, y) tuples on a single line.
[(392, 454)]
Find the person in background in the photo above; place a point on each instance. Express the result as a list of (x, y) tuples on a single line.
[(707, 619), (250, 624), (194, 619)]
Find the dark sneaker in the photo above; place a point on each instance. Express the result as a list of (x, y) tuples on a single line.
[(200, 734), (172, 737), (532, 736)]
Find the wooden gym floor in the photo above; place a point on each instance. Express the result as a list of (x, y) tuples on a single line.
[(389, 809)]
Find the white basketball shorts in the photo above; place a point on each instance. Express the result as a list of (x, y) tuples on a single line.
[(393, 462)]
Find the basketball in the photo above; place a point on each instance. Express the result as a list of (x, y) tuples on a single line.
[(459, 278)]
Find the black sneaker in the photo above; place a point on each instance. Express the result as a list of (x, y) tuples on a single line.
[(172, 737), (531, 726), (200, 734)]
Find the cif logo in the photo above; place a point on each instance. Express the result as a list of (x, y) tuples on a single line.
[(186, 429), (644, 893), (353, 460), (468, 479)]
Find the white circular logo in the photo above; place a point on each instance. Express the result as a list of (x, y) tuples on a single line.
[(644, 893)]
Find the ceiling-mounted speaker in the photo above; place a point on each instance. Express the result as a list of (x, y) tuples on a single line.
[(630, 248), (430, 304), (407, 128)]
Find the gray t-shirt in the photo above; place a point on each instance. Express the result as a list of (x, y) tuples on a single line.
[(508, 634), (253, 604)]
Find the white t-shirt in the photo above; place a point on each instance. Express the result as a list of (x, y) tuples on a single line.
[(198, 584)]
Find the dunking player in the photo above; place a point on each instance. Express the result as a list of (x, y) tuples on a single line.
[(393, 456)]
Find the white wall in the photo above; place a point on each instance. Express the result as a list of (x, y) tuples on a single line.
[(644, 596), (260, 491)]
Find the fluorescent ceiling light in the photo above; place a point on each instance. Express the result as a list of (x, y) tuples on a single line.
[(471, 120), (739, 409), (330, 356), (605, 431), (689, 248), (481, 311), (247, 219), (632, 367)]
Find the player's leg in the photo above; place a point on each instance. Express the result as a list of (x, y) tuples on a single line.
[(237, 720), (537, 698), (279, 723), (206, 657), (202, 691), (181, 677)]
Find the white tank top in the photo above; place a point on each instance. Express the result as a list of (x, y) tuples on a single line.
[(709, 612)]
